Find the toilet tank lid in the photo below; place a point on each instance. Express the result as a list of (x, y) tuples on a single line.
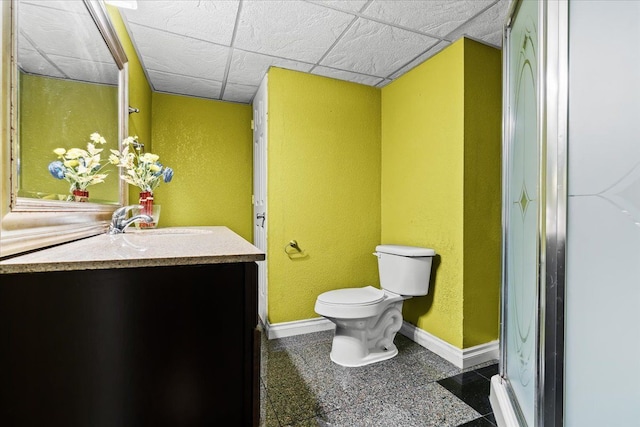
[(410, 251)]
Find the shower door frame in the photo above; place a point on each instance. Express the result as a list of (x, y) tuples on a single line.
[(552, 110)]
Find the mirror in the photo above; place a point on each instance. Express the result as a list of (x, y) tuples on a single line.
[(68, 80)]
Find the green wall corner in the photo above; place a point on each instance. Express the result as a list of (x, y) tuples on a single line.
[(209, 146), (323, 188), (441, 186), (482, 192)]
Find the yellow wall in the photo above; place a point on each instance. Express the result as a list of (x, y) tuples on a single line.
[(482, 192), (422, 182), (209, 146), (57, 113), (323, 188), (441, 186), (207, 143)]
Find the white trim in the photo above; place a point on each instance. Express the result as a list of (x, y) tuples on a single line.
[(501, 405), (463, 359), (298, 327)]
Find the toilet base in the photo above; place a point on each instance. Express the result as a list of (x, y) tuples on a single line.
[(360, 342), (344, 357)]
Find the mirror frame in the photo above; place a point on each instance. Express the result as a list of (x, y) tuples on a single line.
[(29, 224)]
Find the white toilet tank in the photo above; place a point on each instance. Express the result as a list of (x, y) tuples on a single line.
[(404, 270)]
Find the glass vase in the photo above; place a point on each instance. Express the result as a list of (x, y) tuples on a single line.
[(146, 201), (80, 195)]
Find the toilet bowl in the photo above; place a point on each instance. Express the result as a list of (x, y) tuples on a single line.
[(367, 318)]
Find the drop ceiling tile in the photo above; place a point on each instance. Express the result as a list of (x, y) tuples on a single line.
[(420, 59), (434, 17), (183, 85), (30, 61), (65, 5), (169, 53), (290, 29), (346, 75), (487, 27), (205, 20), (248, 68), (347, 6), (61, 32), (239, 93), (88, 71), (375, 49)]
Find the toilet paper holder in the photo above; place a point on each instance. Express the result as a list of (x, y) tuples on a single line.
[(293, 245), (294, 251)]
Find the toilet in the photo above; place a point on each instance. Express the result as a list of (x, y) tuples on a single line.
[(367, 318)]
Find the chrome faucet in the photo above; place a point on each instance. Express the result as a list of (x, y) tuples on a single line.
[(119, 221)]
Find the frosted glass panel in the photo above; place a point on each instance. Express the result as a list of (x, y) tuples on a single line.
[(602, 344), (522, 207)]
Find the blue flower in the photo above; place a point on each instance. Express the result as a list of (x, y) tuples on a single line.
[(57, 169), (159, 170), (167, 174), (141, 169)]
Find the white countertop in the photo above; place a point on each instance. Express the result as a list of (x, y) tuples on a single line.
[(139, 248)]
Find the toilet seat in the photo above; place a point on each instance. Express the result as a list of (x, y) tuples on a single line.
[(366, 295), (350, 303)]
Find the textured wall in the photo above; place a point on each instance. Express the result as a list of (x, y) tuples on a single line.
[(209, 146), (207, 143), (482, 192), (323, 189), (441, 186), (70, 111), (422, 182)]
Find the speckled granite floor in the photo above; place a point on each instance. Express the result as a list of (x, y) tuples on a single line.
[(302, 387)]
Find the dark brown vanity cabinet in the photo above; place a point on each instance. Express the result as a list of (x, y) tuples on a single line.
[(149, 346)]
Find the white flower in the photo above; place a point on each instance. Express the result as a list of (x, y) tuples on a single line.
[(143, 170), (81, 168)]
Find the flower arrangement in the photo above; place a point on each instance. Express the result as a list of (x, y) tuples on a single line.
[(80, 168), (143, 170)]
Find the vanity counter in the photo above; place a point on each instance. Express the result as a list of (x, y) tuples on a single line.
[(150, 327), (139, 248)]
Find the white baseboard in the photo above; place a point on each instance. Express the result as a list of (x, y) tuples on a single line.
[(461, 358), (298, 327)]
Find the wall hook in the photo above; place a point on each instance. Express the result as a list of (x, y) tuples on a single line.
[(133, 110)]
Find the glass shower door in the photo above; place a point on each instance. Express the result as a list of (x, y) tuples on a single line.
[(522, 211)]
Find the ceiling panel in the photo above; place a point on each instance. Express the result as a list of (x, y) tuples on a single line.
[(486, 27), (184, 56), (346, 75), (211, 21), (249, 68), (376, 49), (185, 85), (289, 29), (219, 49), (434, 17)]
